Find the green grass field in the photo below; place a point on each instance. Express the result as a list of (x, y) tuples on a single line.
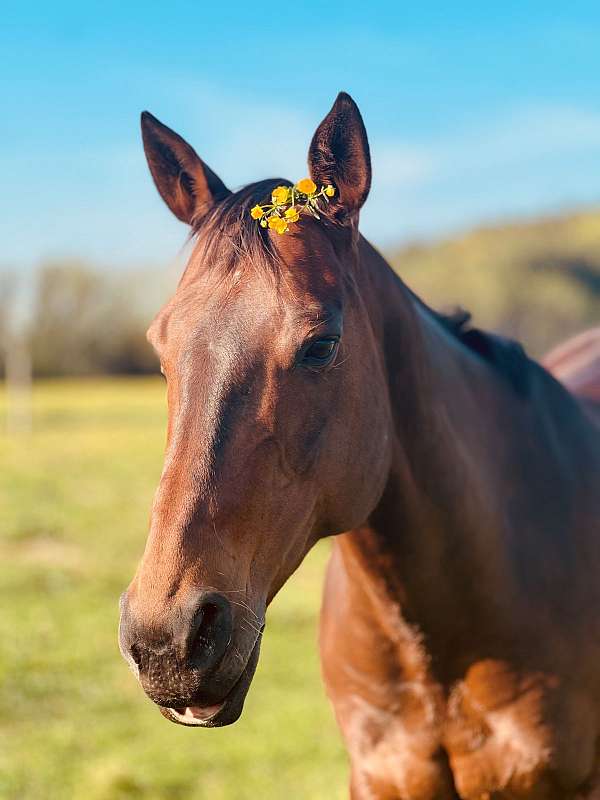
[(74, 502)]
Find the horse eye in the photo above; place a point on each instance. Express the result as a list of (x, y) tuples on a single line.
[(320, 352)]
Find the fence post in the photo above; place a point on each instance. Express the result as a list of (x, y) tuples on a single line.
[(17, 365), (17, 358)]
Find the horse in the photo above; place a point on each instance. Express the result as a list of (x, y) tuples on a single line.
[(310, 394)]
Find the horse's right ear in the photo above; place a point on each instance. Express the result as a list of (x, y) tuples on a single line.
[(183, 180)]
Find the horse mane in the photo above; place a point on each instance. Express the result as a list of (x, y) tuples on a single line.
[(505, 355), (229, 236)]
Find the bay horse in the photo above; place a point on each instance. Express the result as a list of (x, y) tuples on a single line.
[(311, 393)]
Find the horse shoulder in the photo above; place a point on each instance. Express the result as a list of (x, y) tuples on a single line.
[(388, 708)]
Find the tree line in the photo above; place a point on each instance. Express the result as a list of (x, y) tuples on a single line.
[(537, 281)]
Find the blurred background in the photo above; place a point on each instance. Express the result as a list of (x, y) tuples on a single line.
[(484, 123)]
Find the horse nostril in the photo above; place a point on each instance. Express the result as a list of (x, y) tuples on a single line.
[(211, 632), (209, 614)]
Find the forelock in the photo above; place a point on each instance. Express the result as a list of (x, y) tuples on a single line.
[(229, 239)]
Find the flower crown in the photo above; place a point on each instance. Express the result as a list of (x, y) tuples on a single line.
[(288, 202)]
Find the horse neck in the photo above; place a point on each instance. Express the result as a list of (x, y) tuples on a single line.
[(436, 544), (447, 402)]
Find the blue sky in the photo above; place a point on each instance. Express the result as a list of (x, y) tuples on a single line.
[(475, 112)]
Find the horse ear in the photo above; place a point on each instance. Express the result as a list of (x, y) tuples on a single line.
[(339, 154), (183, 180)]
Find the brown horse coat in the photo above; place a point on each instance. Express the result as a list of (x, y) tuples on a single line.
[(311, 393)]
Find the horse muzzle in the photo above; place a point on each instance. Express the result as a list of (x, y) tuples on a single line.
[(196, 667)]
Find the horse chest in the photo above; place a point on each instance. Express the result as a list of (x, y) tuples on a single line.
[(475, 742), (514, 734), (503, 729), (504, 750)]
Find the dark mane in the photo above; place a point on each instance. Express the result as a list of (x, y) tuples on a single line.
[(506, 355)]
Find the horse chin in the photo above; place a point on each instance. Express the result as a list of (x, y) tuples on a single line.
[(220, 714)]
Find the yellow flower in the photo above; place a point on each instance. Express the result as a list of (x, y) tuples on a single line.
[(280, 195), (256, 212), (278, 224), (329, 190), (306, 186), (292, 214)]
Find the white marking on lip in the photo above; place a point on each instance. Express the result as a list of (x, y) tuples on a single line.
[(199, 712), (195, 714)]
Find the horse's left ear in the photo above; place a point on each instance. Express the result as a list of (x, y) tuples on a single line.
[(339, 154), (183, 180)]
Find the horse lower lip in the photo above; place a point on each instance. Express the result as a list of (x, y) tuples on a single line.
[(199, 712), (194, 715), (205, 715)]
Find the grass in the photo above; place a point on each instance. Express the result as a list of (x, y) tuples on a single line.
[(74, 501)]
